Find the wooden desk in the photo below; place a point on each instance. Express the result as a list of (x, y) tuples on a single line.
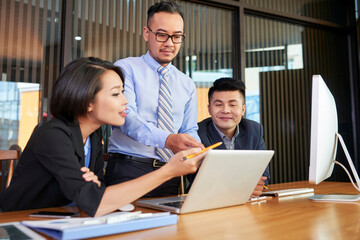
[(278, 218)]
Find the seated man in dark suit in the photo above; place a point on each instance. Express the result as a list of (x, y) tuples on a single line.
[(226, 124)]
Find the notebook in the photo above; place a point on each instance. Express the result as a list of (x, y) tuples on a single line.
[(225, 178), (88, 227)]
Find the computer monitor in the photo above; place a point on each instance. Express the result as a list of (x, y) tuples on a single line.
[(324, 126), (324, 135)]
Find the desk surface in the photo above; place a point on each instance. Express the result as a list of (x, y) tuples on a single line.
[(294, 217)]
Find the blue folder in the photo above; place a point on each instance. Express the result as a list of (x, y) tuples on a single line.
[(97, 230)]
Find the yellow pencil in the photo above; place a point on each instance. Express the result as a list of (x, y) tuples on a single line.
[(265, 187), (212, 146)]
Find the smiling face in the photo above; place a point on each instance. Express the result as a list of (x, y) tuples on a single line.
[(163, 22), (109, 104), (226, 109)]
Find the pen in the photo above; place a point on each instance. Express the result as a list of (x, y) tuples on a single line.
[(212, 146)]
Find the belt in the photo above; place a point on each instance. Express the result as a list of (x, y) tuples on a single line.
[(149, 161)]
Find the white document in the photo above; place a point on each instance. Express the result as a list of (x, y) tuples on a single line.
[(288, 192)]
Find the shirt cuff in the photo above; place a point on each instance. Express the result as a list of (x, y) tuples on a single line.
[(160, 139)]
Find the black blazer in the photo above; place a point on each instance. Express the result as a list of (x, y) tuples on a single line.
[(250, 137), (48, 173)]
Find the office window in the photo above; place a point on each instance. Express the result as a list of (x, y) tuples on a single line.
[(280, 61), (112, 30), (334, 11), (29, 64)]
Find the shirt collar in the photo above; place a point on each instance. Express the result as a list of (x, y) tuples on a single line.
[(153, 63), (237, 131)]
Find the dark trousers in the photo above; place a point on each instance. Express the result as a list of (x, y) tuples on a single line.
[(120, 170)]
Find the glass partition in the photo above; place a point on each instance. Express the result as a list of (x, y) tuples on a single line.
[(328, 10), (29, 64)]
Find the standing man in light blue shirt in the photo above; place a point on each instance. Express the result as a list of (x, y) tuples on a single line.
[(162, 108)]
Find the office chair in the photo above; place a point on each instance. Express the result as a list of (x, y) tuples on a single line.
[(10, 155)]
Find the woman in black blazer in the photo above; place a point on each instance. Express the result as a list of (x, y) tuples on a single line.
[(62, 162)]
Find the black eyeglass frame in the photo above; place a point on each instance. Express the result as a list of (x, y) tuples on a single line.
[(168, 36)]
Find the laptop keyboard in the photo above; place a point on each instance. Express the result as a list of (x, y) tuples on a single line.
[(176, 204)]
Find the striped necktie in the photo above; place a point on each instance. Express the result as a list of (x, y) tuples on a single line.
[(165, 117)]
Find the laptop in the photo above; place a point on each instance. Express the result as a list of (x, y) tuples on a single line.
[(225, 178)]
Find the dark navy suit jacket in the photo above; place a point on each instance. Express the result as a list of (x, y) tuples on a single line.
[(250, 137)]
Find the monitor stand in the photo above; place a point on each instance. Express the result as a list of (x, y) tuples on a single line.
[(345, 197)]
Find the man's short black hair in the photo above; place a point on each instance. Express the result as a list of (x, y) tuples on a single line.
[(77, 86), (227, 84), (166, 6)]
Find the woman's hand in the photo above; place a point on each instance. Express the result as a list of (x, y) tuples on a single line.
[(89, 176)]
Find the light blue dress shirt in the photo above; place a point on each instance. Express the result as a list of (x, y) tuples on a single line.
[(87, 151), (139, 136)]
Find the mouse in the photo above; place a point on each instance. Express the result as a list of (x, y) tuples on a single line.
[(127, 208)]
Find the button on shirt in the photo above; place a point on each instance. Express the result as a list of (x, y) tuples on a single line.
[(229, 143), (139, 136)]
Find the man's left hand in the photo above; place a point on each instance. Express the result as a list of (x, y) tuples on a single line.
[(259, 187)]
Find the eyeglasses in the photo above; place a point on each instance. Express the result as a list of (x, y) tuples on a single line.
[(163, 37)]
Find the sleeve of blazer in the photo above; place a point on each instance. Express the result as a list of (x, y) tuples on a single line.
[(55, 151), (261, 142), (99, 158), (261, 146)]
